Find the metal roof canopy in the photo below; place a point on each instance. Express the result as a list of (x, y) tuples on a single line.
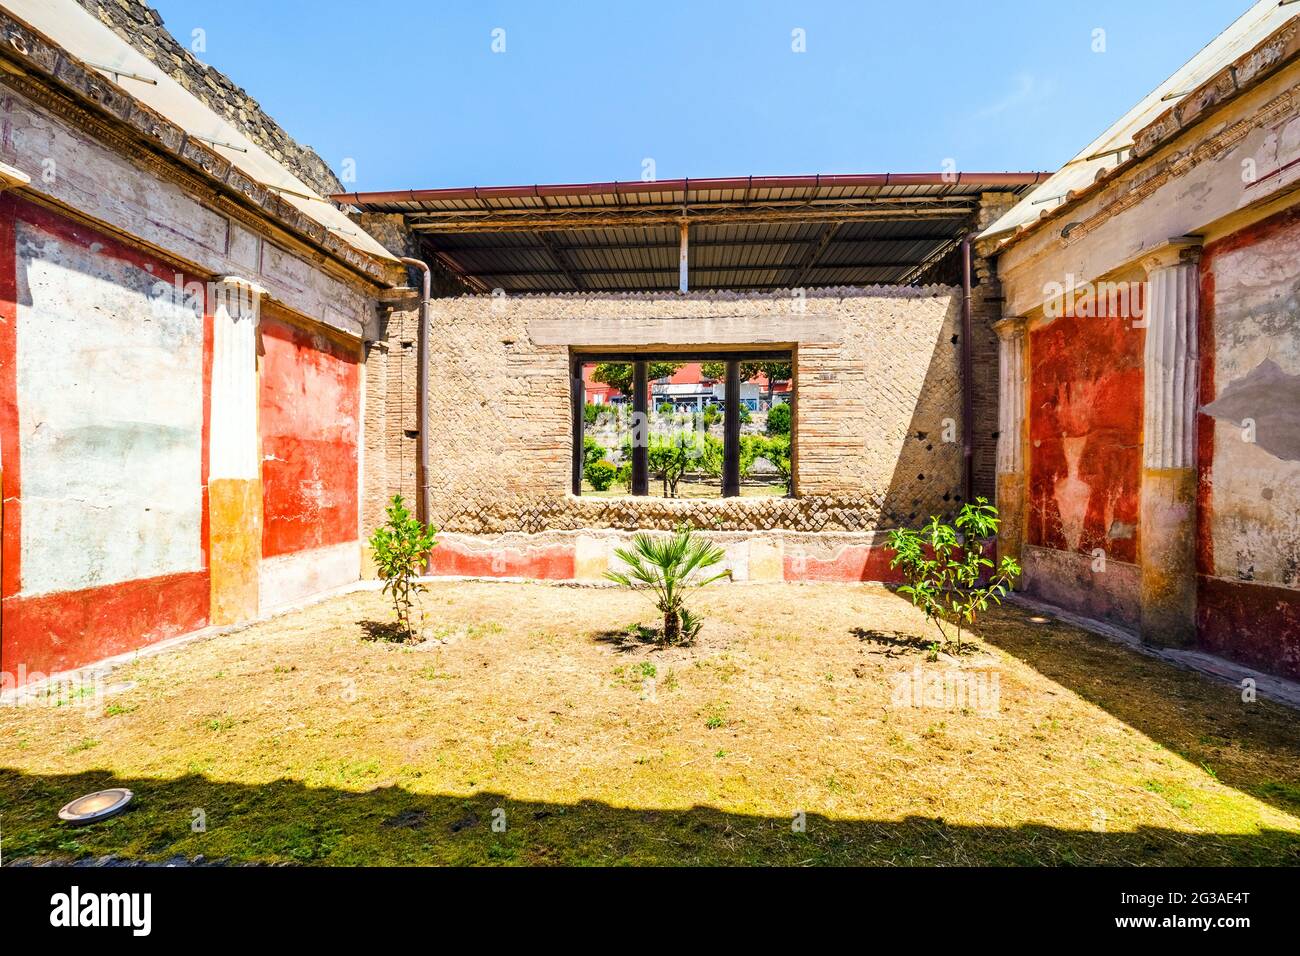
[(750, 233)]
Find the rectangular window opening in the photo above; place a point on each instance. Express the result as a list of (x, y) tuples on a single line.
[(688, 425)]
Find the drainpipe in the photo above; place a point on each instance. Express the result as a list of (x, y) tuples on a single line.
[(967, 372), (422, 503)]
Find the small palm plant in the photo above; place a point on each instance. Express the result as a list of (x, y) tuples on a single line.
[(671, 567), (400, 546), (948, 576)]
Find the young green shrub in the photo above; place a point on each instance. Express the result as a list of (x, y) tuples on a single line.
[(592, 450), (778, 419), (947, 574), (671, 567), (671, 456), (400, 547), (601, 474), (774, 449)]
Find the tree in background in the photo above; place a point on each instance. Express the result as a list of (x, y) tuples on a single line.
[(775, 372), (619, 374), (774, 449)]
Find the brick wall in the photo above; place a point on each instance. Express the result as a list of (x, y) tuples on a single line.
[(877, 426)]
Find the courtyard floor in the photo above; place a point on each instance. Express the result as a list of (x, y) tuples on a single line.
[(531, 728)]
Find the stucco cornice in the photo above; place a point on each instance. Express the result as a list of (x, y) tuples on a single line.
[(43, 71)]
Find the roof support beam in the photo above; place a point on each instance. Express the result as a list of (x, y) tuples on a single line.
[(488, 274), (813, 254), (696, 243), (561, 260), (683, 256), (449, 262), (607, 219)]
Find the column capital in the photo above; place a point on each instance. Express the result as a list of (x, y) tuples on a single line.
[(240, 282), (11, 177), (1177, 251), (1010, 326)]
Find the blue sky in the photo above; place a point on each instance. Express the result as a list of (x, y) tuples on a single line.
[(587, 91)]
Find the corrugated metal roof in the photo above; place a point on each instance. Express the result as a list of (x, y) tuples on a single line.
[(745, 232)]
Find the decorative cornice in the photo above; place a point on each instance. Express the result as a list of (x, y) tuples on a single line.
[(80, 95)]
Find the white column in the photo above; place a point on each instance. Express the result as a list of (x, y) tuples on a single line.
[(1171, 360), (1011, 394), (1011, 485), (236, 309), (234, 468), (1167, 520)]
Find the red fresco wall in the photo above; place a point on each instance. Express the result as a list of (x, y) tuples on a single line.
[(51, 632), (310, 415), (1085, 430)]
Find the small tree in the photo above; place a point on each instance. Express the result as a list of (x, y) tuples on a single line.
[(669, 457), (400, 546), (778, 419), (946, 571), (671, 567), (592, 450), (600, 474), (775, 450)]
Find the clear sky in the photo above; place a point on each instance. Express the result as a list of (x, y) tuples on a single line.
[(415, 95)]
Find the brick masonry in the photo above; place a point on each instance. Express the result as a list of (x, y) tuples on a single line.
[(878, 392)]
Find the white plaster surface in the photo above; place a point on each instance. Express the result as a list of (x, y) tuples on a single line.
[(234, 448), (287, 578), (103, 184), (110, 395), (1255, 502)]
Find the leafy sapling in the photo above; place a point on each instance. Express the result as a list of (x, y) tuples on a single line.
[(947, 573), (400, 547)]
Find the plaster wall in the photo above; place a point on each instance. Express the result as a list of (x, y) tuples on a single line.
[(1249, 445), (1084, 463), (104, 434), (72, 167)]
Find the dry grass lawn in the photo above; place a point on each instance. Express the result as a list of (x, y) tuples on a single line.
[(302, 741)]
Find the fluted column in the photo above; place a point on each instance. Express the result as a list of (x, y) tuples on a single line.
[(234, 473), (1012, 386), (1167, 523)]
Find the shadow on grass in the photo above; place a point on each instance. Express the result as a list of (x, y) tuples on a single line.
[(284, 821), (897, 639), (386, 631), (634, 636), (1253, 747)]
